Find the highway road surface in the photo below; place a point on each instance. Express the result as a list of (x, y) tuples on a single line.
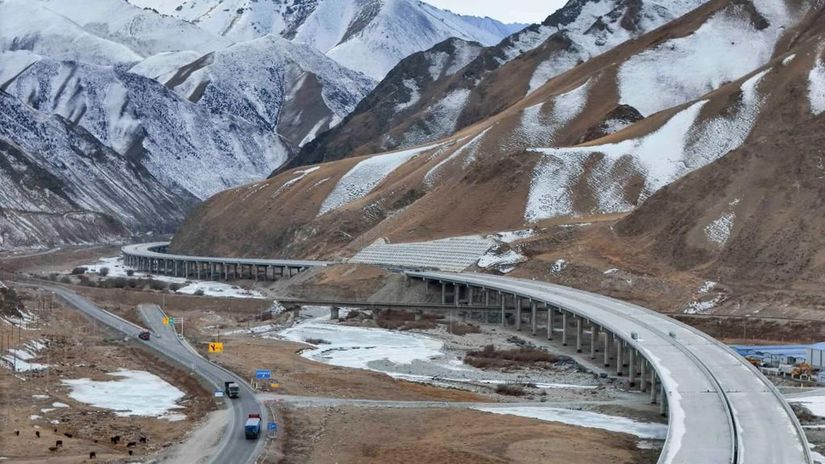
[(234, 447)]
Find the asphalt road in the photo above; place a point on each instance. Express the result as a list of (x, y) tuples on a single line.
[(234, 447), (722, 410)]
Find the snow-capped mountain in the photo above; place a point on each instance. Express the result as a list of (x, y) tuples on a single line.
[(61, 185), (596, 141), (369, 36), (494, 79), (198, 120)]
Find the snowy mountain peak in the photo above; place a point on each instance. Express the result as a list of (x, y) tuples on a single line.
[(369, 36)]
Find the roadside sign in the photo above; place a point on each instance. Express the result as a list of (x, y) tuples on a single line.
[(272, 426), (263, 374), (216, 347), (274, 385), (219, 393), (165, 320), (171, 320)]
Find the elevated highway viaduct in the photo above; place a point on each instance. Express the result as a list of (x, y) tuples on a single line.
[(720, 408)]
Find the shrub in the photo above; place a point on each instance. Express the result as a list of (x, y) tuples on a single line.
[(130, 272), (199, 292), (175, 287), (53, 276), (158, 285), (78, 271), (84, 280), (65, 280), (510, 389), (103, 272), (316, 341), (489, 357)]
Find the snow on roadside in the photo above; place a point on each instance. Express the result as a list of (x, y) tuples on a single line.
[(135, 393), (218, 289), (365, 176), (514, 235), (816, 90), (588, 419)]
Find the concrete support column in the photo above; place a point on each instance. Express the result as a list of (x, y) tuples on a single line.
[(550, 312), (443, 293), (663, 401), (503, 304), (606, 349), (469, 295), (642, 376), (456, 294), (532, 317), (486, 297), (564, 325), (198, 265), (518, 311), (257, 271), (579, 334), (653, 389), (594, 340), (631, 368), (619, 355)]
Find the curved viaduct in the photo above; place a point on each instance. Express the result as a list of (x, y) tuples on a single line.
[(720, 408)]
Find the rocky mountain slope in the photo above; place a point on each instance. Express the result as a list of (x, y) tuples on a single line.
[(183, 115), (413, 106), (591, 143), (369, 36)]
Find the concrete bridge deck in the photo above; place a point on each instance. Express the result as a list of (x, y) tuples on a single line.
[(153, 258)]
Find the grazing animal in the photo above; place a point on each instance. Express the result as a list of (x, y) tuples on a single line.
[(131, 444), (53, 448), (92, 455), (142, 439), (58, 443), (17, 432), (115, 439), (37, 432), (55, 430), (130, 452), (67, 435)]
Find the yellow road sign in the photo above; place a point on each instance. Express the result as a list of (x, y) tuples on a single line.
[(274, 385), (216, 347), (165, 320)]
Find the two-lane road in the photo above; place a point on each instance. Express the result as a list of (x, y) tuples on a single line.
[(234, 448)]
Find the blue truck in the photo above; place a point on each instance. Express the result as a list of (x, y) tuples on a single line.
[(253, 427)]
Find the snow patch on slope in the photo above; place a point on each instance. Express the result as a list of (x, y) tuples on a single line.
[(723, 49), (470, 148), (135, 393), (365, 176), (816, 90)]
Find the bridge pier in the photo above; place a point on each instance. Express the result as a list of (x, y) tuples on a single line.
[(550, 316), (642, 376), (564, 325), (579, 334), (503, 304), (518, 311), (653, 389), (533, 317), (606, 349), (631, 369), (663, 402), (619, 355), (594, 339)]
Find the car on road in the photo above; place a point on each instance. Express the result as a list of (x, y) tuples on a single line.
[(252, 429), (144, 335)]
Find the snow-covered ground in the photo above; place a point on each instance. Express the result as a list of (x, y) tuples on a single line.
[(589, 419), (813, 403), (188, 287), (21, 360), (411, 356), (725, 48), (134, 393), (816, 90)]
